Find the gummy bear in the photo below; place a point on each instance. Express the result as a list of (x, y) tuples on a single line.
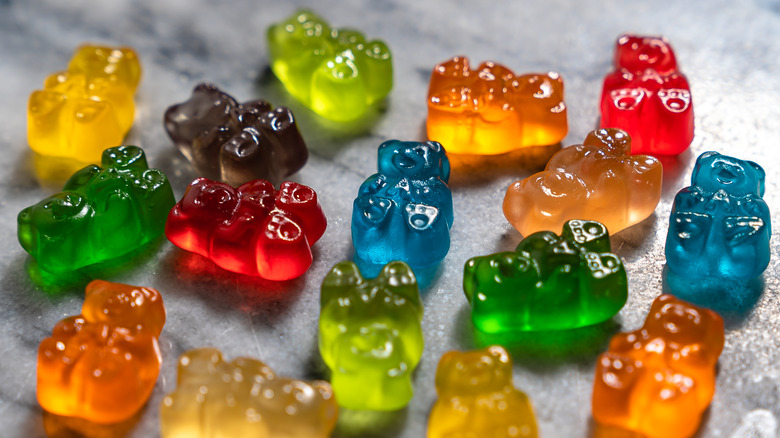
[(720, 226), (243, 398), (252, 230), (491, 111), (549, 282), (103, 212), (477, 398), (88, 106), (404, 212), (597, 180), (659, 379), (334, 72), (648, 97), (370, 335), (102, 365), (236, 143)]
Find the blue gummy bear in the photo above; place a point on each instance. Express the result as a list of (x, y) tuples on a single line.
[(404, 212), (720, 226)]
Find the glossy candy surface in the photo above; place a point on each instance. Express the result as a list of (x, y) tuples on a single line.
[(243, 398), (491, 111), (103, 212), (404, 212), (477, 398), (549, 282), (597, 180), (103, 364), (648, 97), (252, 230), (236, 143), (87, 107), (659, 380), (334, 72), (370, 335), (720, 226)]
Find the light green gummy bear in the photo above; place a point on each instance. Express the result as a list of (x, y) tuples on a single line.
[(370, 335), (335, 72)]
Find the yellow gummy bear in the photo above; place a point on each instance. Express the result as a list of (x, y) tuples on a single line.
[(477, 398), (81, 111), (243, 398)]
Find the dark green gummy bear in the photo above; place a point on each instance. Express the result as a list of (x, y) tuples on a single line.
[(103, 212), (550, 282)]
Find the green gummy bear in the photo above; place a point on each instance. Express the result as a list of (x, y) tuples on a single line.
[(335, 72), (103, 212), (550, 282), (370, 335)]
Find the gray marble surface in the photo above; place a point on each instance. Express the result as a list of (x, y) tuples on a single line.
[(728, 49)]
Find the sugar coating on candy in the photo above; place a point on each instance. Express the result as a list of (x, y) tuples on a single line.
[(404, 212), (87, 107), (549, 282), (370, 335), (253, 229), (491, 110), (720, 226), (243, 398), (103, 212), (334, 72), (648, 97), (102, 365), (236, 142), (659, 380), (477, 398), (598, 180)]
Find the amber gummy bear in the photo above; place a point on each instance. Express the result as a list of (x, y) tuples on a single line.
[(659, 379), (598, 180), (491, 110), (243, 398), (102, 365), (82, 110), (477, 398)]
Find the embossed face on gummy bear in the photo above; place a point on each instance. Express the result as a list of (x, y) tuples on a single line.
[(409, 159), (736, 177)]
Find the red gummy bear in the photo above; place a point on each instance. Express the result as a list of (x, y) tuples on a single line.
[(252, 230), (648, 97)]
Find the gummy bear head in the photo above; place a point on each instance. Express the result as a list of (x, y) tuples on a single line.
[(613, 140), (637, 53), (135, 308), (474, 372), (414, 160), (116, 64), (208, 200), (714, 172), (125, 157), (65, 210), (680, 323)]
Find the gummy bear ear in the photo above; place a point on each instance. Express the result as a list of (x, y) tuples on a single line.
[(399, 278), (384, 155), (125, 157), (345, 275), (81, 178)]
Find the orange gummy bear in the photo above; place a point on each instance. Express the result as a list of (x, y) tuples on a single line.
[(102, 365), (659, 379), (491, 111), (598, 180)]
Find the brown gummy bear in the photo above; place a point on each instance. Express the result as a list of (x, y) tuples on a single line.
[(236, 143)]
